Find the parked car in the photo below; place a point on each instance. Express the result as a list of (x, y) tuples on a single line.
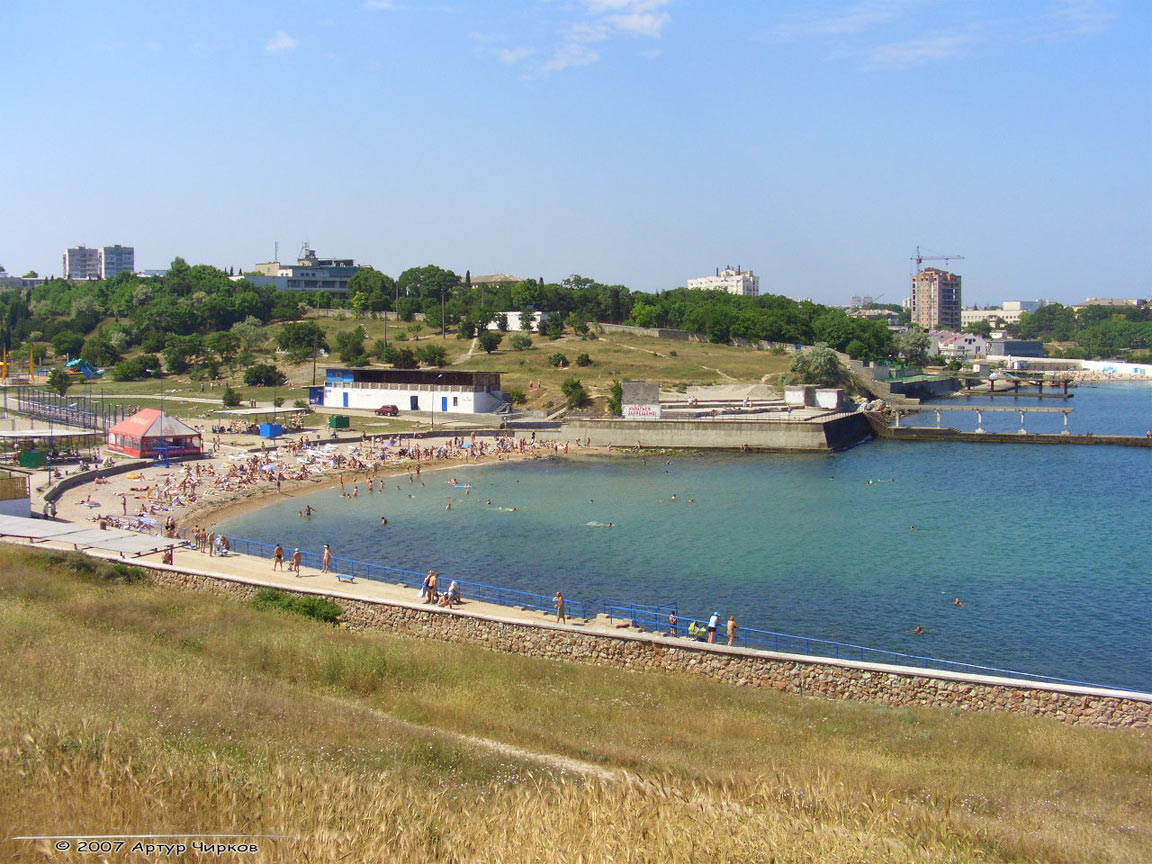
[(388, 411)]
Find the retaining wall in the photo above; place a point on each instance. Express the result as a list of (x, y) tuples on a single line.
[(835, 433), (805, 676)]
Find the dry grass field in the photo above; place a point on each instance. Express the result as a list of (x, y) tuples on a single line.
[(126, 707), (614, 356)]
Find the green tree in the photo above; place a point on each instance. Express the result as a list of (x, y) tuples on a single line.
[(520, 341), (59, 381), (575, 393), (99, 351), (616, 397), (558, 360), (913, 345), (583, 360), (983, 327), (515, 395), (224, 343), (400, 358), (433, 354), (230, 397), (300, 340), (263, 375), (67, 342), (490, 340), (817, 365), (350, 346)]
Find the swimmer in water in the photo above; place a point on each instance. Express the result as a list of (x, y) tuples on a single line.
[(957, 602), (448, 506), (489, 501), (383, 520), (917, 630), (911, 527)]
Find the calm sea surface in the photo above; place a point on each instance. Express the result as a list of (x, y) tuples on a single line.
[(1047, 546)]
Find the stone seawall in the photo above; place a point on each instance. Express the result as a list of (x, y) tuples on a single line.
[(834, 433), (805, 676)]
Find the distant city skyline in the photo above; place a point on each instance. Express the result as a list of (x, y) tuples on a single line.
[(640, 142)]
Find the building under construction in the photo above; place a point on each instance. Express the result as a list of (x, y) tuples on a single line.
[(936, 299)]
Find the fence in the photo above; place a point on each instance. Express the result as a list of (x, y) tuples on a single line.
[(643, 617)]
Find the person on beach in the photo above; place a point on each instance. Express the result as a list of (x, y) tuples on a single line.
[(433, 578), (558, 602), (453, 593), (671, 623), (713, 622), (277, 557), (325, 558), (296, 561), (731, 629), (424, 586)]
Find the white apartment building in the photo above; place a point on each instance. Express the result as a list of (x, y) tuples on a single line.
[(80, 262), (116, 259), (732, 280)]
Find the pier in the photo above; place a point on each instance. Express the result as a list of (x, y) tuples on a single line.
[(895, 431), (1016, 387)]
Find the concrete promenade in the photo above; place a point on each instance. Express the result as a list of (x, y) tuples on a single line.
[(368, 604)]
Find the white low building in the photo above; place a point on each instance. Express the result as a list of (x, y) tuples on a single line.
[(442, 391), (732, 280), (515, 322), (960, 345)]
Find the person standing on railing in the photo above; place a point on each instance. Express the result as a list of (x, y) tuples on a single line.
[(731, 629), (558, 602)]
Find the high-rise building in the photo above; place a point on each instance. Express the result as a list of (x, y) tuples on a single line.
[(80, 262), (936, 299), (116, 259), (734, 281)]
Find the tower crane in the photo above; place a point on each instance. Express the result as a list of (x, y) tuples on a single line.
[(919, 259)]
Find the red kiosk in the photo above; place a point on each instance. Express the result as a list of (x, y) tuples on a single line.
[(150, 434)]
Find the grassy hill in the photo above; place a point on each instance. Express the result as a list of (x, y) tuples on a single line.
[(614, 356), (126, 707)]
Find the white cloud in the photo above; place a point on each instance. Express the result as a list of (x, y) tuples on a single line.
[(909, 32), (280, 42), (509, 56), (380, 5), (601, 20), (913, 51)]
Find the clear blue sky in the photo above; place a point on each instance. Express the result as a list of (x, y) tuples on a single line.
[(635, 141)]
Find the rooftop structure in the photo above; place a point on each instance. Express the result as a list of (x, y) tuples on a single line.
[(309, 273), (733, 280)]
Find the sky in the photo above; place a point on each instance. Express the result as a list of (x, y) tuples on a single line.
[(640, 142)]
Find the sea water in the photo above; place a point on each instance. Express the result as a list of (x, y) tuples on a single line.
[(1047, 547)]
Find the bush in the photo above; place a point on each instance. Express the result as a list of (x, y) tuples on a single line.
[(67, 342), (583, 360), (616, 397), (401, 358), (558, 360), (575, 393), (263, 375), (520, 341), (300, 403), (490, 340), (320, 608), (515, 395), (230, 398), (433, 355)]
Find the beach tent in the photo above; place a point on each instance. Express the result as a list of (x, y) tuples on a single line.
[(149, 434)]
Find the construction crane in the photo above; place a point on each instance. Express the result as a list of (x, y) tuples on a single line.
[(920, 259)]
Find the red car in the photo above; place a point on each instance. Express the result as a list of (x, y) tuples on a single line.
[(388, 411)]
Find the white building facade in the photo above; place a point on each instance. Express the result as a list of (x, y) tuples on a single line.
[(80, 262), (447, 392), (116, 259), (732, 280)]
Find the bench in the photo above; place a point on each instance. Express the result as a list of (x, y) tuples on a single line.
[(342, 577)]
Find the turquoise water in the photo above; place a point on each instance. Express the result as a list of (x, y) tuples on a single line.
[(1048, 547)]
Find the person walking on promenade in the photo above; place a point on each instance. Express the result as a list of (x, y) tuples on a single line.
[(296, 561), (325, 558), (731, 629), (558, 602), (712, 624), (277, 557)]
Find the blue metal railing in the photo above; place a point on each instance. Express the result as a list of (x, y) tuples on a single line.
[(643, 616), (639, 615)]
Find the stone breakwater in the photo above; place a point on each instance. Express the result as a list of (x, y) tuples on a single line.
[(803, 676)]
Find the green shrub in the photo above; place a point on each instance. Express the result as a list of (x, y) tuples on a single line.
[(320, 608), (558, 360), (230, 398), (583, 360), (520, 341), (515, 395)]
